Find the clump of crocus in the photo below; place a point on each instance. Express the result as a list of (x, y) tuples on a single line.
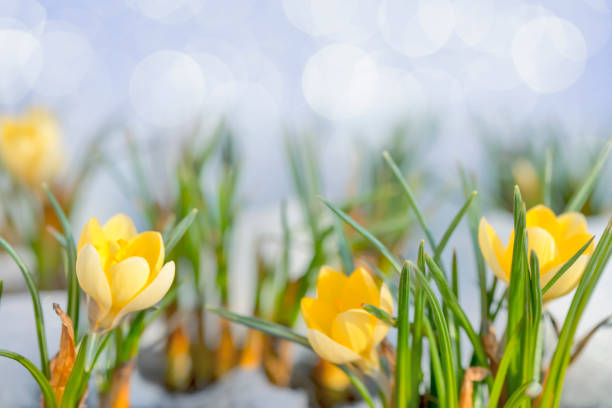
[(554, 240), (339, 329), (120, 270), (30, 147)]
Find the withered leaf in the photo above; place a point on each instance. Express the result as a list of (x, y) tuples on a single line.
[(61, 364), (466, 397)]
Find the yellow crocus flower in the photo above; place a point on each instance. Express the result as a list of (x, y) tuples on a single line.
[(554, 239), (339, 329), (30, 147), (120, 270)]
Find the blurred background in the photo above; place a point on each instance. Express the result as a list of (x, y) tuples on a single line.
[(311, 92), (347, 72)]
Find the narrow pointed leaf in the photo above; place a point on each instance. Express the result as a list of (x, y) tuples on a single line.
[(39, 377), (38, 314)]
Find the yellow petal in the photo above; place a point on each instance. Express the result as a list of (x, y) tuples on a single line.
[(379, 332), (386, 299), (492, 249), (330, 350), (543, 243), (151, 294), (127, 278), (543, 217), (369, 361), (329, 284), (567, 282), (359, 289), (92, 234), (572, 223), (569, 246), (150, 246), (318, 314), (353, 329), (93, 281), (119, 227)]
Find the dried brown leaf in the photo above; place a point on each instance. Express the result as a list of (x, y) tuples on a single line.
[(62, 363), (472, 374)]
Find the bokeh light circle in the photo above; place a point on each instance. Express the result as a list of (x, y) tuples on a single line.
[(416, 28), (68, 58), (345, 20), (167, 89), (340, 81), (21, 61), (30, 13), (549, 54), (174, 11)]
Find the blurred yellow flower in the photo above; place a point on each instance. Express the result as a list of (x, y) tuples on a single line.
[(554, 239), (339, 329), (120, 270), (30, 147)]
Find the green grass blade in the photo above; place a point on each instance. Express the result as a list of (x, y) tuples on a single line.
[(411, 200), (502, 370), (436, 364), (39, 377), (365, 233), (380, 314), (359, 386), (588, 185), (526, 391), (473, 221), (402, 367), (73, 284), (446, 349), (344, 248), (77, 378), (517, 289), (270, 328), (453, 225), (175, 235), (417, 332), (566, 266), (458, 312), (38, 314)]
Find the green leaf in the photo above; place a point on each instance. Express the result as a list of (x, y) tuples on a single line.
[(359, 386), (402, 368), (365, 233), (588, 185), (473, 221), (179, 230), (453, 225), (462, 319), (38, 314), (502, 370), (380, 314), (417, 333), (78, 377), (566, 266), (411, 200), (518, 288), (446, 349), (526, 391), (270, 328), (73, 284), (344, 248), (41, 379)]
